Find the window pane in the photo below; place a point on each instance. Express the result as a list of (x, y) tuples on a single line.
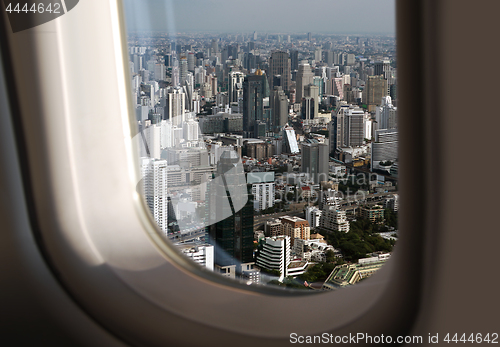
[(268, 135)]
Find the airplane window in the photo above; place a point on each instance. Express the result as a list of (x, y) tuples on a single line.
[(268, 136)]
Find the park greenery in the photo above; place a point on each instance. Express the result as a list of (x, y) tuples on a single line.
[(361, 239)]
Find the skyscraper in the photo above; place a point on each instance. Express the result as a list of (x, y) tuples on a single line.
[(253, 105), (294, 60), (190, 61), (231, 236), (159, 72), (315, 159), (175, 105), (214, 47), (382, 67), (386, 115), (235, 85), (376, 88), (348, 127), (154, 173), (279, 108), (279, 64), (183, 70), (304, 77), (310, 102)]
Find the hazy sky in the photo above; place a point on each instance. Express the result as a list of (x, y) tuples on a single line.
[(336, 16)]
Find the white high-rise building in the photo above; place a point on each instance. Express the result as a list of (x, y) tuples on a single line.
[(368, 126), (166, 138), (176, 77), (175, 106), (190, 129), (386, 114), (154, 173), (313, 215), (262, 189), (334, 219), (160, 72), (200, 75), (152, 135), (263, 195), (275, 255)]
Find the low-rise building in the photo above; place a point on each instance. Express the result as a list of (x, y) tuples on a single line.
[(373, 213), (297, 267), (312, 250), (201, 253), (273, 228), (349, 274)]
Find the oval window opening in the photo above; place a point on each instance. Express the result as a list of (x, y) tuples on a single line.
[(268, 135)]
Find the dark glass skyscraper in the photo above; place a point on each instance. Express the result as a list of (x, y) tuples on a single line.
[(279, 64), (230, 209), (254, 90)]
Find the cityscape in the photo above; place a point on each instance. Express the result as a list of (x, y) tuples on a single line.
[(271, 158)]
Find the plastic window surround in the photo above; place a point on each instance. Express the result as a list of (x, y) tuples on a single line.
[(99, 239)]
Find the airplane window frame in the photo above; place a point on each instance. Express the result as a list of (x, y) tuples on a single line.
[(65, 169)]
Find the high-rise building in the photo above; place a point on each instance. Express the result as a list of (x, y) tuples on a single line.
[(296, 228), (313, 215), (318, 54), (304, 77), (328, 198), (160, 72), (294, 60), (198, 252), (151, 136), (175, 105), (289, 141), (275, 255), (262, 189), (230, 213), (310, 102), (253, 104), (154, 173), (348, 127), (175, 76), (382, 68), (279, 64), (191, 61), (168, 60), (386, 115), (376, 89), (214, 47), (350, 59), (183, 70), (385, 147), (329, 59), (279, 108), (235, 85), (315, 157), (334, 219)]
